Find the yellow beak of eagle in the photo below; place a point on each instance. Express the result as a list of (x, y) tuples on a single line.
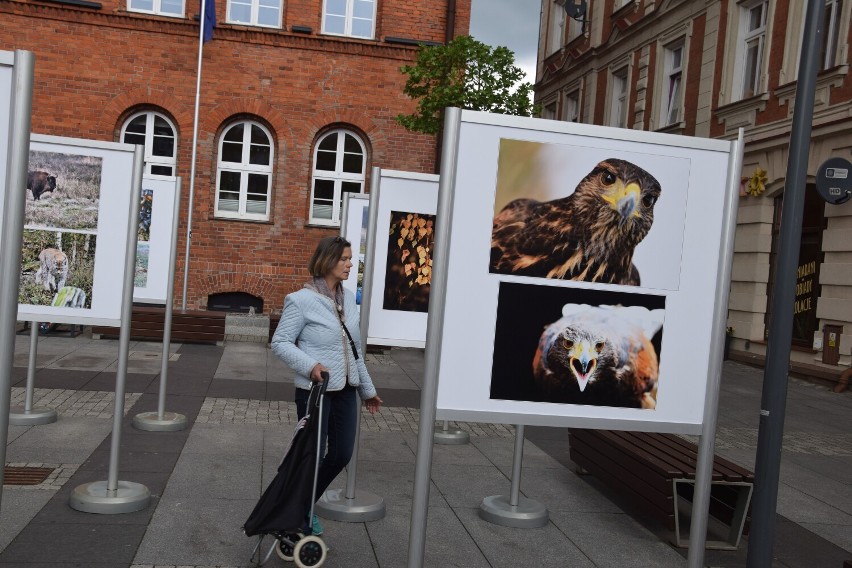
[(583, 362), (624, 199)]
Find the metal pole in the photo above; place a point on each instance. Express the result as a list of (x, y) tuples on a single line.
[(517, 464), (429, 392), (114, 496), (707, 440), (162, 421), (12, 232), (29, 416), (31, 366), (355, 505), (775, 376), (194, 154)]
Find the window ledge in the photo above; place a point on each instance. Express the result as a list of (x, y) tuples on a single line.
[(674, 128), (624, 11), (310, 225), (826, 80), (214, 217), (742, 113), (80, 3)]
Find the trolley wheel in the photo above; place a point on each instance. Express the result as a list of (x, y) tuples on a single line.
[(283, 549), (309, 552)]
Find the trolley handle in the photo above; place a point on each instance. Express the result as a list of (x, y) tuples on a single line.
[(318, 390)]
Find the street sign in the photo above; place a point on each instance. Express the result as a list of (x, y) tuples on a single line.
[(834, 180)]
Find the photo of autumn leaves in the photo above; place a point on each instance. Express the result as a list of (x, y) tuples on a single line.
[(409, 263)]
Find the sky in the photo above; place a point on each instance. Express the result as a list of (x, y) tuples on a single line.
[(512, 23)]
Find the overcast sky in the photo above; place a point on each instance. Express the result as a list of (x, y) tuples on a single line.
[(512, 23)]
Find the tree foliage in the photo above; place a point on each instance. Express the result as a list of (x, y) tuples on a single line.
[(464, 73)]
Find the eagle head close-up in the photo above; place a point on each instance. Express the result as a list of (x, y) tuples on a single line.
[(589, 235)]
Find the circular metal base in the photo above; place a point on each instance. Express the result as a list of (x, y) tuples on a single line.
[(527, 514), (94, 498), (150, 421), (365, 506), (20, 417), (448, 437)]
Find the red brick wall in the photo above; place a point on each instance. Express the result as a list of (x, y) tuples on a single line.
[(93, 68), (693, 75)]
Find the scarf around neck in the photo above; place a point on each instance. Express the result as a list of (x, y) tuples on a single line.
[(320, 286)]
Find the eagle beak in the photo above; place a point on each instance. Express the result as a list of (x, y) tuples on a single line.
[(624, 199), (583, 365)]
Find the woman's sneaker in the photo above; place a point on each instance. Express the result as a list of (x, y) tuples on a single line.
[(316, 527)]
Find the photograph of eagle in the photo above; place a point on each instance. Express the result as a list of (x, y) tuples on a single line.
[(600, 355), (590, 235)]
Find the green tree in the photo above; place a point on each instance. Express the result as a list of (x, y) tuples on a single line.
[(464, 73)]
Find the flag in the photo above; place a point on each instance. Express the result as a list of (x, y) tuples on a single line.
[(208, 20)]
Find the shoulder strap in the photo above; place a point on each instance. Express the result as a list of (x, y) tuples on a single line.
[(351, 341)]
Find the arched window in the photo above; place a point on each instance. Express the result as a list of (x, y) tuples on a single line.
[(157, 133), (244, 172), (340, 161)]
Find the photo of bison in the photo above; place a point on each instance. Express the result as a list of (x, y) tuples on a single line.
[(65, 190), (39, 183)]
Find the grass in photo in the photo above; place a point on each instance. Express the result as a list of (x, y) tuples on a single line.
[(63, 191), (140, 278)]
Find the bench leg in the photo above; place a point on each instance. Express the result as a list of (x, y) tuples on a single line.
[(740, 511)]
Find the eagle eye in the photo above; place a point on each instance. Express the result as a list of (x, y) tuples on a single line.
[(599, 346), (608, 178), (648, 200), (567, 343)]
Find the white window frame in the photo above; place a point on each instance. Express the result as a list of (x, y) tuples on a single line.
[(549, 109), (831, 36), (338, 176), (619, 98), (348, 19), (150, 159), (244, 168), (158, 9), (555, 28), (571, 107), (255, 14), (744, 38), (671, 105)]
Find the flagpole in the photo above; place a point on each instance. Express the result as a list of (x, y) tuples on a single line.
[(194, 152)]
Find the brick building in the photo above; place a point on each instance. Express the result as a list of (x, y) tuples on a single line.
[(298, 100), (706, 69)]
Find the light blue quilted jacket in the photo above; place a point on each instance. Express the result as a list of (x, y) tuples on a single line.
[(309, 332)]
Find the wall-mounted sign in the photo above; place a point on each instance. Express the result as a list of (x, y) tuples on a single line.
[(834, 180)]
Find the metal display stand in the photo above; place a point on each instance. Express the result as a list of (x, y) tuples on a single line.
[(516, 511), (13, 229), (352, 504), (27, 415), (162, 421), (113, 496), (449, 437)]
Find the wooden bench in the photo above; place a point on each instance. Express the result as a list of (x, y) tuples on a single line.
[(656, 473), (190, 326)]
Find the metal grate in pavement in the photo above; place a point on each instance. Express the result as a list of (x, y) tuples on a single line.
[(25, 475)]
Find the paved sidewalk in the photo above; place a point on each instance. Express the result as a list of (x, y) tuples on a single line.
[(206, 479)]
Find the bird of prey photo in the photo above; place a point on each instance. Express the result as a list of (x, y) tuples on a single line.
[(590, 235), (600, 355)]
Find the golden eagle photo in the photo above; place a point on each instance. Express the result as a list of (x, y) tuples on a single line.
[(580, 213), (577, 346)]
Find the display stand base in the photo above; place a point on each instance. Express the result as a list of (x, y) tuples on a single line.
[(527, 514), (365, 506), (451, 437), (150, 422), (95, 498), (20, 417)]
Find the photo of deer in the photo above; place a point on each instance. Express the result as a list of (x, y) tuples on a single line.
[(57, 269), (63, 191)]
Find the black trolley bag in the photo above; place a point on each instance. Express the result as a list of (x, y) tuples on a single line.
[(288, 501)]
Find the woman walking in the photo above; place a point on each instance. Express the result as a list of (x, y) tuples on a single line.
[(319, 332)]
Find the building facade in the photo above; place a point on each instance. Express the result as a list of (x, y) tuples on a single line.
[(706, 69), (297, 103)]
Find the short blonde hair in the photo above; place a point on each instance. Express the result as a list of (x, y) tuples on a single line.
[(325, 257)]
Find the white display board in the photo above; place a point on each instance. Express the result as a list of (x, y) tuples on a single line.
[(157, 216), (7, 67), (354, 230), (75, 231), (402, 259), (581, 277)]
